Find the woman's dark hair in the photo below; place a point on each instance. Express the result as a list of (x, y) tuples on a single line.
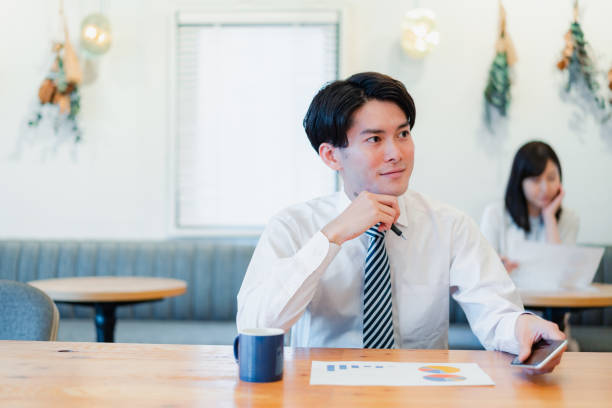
[(529, 161), (330, 114)]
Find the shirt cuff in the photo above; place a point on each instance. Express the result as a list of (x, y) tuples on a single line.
[(506, 332)]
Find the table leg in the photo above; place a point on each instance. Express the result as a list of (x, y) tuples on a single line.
[(556, 315), (105, 322)]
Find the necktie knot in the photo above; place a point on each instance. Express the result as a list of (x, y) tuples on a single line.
[(375, 233)]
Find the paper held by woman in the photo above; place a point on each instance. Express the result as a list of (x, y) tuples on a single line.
[(553, 266)]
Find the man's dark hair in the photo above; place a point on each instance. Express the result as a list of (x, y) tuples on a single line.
[(529, 161), (330, 114)]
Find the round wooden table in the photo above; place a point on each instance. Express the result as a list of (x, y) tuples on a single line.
[(556, 303), (106, 293)]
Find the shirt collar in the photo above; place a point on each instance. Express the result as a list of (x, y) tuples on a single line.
[(343, 200), (403, 217)]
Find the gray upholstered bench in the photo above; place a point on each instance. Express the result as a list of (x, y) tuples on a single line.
[(213, 269)]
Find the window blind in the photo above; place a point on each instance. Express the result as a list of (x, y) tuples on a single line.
[(244, 83)]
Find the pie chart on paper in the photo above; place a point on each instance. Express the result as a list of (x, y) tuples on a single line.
[(439, 369), (441, 373), (444, 377)]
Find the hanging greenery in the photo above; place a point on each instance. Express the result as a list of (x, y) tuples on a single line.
[(497, 90), (576, 60), (609, 115)]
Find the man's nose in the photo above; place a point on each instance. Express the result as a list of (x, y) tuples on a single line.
[(392, 150)]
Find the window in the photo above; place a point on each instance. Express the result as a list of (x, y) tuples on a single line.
[(243, 84)]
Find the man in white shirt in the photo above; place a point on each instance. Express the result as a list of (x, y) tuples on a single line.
[(321, 271)]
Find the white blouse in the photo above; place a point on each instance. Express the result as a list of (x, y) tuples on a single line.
[(501, 231)]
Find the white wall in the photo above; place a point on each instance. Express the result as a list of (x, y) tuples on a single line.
[(116, 183)]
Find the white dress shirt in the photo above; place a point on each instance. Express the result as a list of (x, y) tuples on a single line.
[(501, 231), (298, 280)]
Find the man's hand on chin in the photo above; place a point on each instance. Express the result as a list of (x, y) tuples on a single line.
[(530, 329)]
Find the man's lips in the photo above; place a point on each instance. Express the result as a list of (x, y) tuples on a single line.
[(389, 173)]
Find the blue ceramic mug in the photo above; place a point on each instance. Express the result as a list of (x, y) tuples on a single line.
[(259, 354)]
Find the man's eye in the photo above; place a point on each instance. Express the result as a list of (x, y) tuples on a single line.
[(405, 133), (373, 139)]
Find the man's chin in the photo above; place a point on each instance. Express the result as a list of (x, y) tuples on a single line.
[(398, 191)]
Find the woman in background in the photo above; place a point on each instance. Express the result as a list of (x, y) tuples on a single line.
[(532, 207)]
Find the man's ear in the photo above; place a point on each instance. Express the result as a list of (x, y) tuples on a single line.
[(329, 155)]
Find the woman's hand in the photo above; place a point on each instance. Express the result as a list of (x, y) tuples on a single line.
[(548, 212), (550, 221), (508, 264)]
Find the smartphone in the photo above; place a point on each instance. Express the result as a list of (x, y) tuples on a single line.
[(541, 353)]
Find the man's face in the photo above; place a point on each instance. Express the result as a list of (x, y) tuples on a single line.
[(379, 157)]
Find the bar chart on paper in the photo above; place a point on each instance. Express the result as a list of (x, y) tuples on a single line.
[(396, 374)]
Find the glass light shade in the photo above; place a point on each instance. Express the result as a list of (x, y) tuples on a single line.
[(96, 34), (419, 32)]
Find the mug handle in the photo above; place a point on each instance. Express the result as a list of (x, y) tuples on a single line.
[(236, 341)]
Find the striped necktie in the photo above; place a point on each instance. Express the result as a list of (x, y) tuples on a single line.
[(377, 306)]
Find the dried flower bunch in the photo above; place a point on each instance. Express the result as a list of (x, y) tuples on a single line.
[(58, 95)]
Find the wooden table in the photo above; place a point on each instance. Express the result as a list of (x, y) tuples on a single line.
[(556, 303), (111, 375), (106, 293)]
